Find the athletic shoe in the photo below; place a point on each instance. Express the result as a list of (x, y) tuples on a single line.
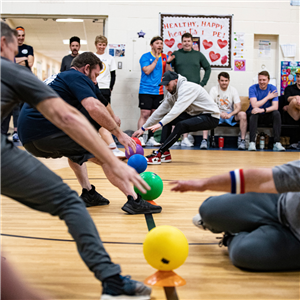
[(142, 141), (154, 158), (242, 145), (197, 221), (203, 144), (92, 198), (278, 147), (124, 288), (15, 137), (225, 239), (252, 146), (166, 157), (191, 138), (118, 153), (186, 143), (178, 143), (140, 206), (152, 142)]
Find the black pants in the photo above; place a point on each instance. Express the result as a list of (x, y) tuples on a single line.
[(261, 242), (5, 124), (265, 119), (28, 181), (185, 123)]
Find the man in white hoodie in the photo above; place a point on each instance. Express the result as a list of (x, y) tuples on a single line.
[(187, 106)]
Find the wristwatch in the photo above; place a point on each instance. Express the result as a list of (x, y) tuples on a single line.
[(265, 110)]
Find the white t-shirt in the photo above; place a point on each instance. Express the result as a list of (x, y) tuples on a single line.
[(109, 65), (225, 99)]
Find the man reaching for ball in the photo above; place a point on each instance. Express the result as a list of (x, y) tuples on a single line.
[(42, 138)]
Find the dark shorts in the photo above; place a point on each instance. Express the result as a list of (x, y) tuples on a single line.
[(57, 146), (106, 94), (149, 102)]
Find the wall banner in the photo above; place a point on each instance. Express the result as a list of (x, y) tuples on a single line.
[(214, 33)]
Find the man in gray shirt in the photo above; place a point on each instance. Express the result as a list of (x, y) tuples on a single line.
[(262, 227), (31, 183)]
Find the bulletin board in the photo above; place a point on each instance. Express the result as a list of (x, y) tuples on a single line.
[(214, 33), (288, 74)]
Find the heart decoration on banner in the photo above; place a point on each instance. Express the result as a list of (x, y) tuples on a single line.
[(240, 64), (170, 43), (207, 44), (224, 59), (170, 53), (221, 43), (179, 45), (214, 56)]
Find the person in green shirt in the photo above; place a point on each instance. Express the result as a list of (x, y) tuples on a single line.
[(188, 63)]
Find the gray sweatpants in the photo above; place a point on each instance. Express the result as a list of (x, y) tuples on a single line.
[(28, 181), (261, 242)]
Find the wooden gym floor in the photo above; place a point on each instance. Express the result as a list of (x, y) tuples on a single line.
[(39, 246)]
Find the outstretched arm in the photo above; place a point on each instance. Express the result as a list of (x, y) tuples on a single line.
[(74, 124), (256, 180)]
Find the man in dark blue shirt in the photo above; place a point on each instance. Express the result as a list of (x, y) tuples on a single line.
[(43, 139), (28, 181)]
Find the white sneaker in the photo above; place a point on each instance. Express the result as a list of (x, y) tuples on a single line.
[(278, 147), (142, 141), (118, 153), (197, 221), (186, 143), (203, 144), (191, 138), (152, 142), (252, 146)]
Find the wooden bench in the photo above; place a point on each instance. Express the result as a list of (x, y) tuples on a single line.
[(245, 102)]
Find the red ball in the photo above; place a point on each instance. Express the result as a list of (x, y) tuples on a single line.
[(137, 141)]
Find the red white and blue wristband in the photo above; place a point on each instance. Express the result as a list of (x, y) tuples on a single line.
[(237, 181)]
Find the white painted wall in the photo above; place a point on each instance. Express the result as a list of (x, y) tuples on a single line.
[(125, 19), (44, 66)]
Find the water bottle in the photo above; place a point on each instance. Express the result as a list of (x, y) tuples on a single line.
[(262, 141)]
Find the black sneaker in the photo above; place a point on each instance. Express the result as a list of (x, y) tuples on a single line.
[(92, 198), (227, 237), (140, 206), (124, 288)]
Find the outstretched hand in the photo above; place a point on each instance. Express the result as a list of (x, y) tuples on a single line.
[(123, 176), (188, 185), (138, 133), (154, 127), (127, 142)]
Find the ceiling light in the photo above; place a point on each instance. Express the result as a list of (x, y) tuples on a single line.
[(69, 20), (82, 42)]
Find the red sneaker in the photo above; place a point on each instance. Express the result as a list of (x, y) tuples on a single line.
[(166, 157), (154, 158)]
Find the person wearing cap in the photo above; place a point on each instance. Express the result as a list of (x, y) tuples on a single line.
[(153, 66), (74, 47), (188, 106), (25, 56), (188, 62)]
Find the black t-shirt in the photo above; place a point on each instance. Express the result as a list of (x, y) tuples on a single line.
[(72, 86), (66, 63), (24, 51), (291, 90), (19, 85)]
